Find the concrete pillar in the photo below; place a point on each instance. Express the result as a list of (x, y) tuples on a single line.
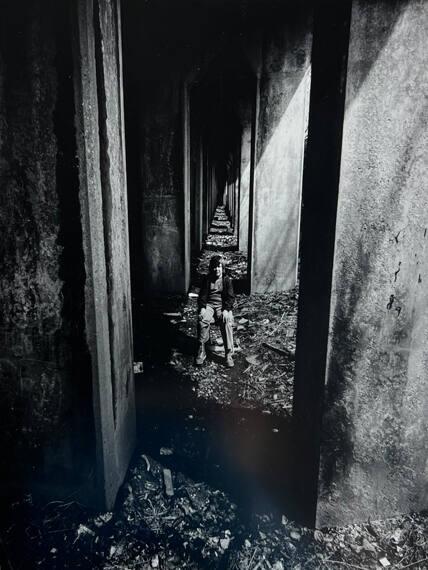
[(361, 397), (213, 193), (244, 186), (199, 196), (374, 445), (210, 194), (186, 186), (162, 187), (205, 191), (196, 178), (279, 153), (99, 121)]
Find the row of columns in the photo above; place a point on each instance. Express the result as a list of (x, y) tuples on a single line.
[(360, 392), (262, 191)]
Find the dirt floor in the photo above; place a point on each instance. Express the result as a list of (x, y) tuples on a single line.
[(209, 484)]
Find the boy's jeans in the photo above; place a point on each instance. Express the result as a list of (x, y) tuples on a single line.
[(212, 315)]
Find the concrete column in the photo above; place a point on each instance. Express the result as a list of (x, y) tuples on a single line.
[(235, 189), (116, 234), (205, 214), (244, 186), (374, 448), (162, 177), (322, 166), (213, 193), (200, 197), (186, 185), (210, 194), (279, 154), (99, 121)]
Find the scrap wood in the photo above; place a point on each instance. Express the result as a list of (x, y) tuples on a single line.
[(167, 478), (414, 563), (146, 459), (279, 350)]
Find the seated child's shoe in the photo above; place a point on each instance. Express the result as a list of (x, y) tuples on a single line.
[(201, 356), (229, 360)]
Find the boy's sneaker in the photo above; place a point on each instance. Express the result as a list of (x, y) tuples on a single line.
[(201, 356), (229, 360)]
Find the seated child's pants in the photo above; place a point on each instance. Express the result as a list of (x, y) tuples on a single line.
[(211, 316)]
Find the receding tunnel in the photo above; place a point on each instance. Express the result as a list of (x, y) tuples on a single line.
[(220, 100), (210, 107)]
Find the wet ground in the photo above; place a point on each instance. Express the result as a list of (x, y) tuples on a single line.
[(209, 485)]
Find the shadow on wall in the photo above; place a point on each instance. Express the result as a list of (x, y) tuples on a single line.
[(390, 16), (278, 192), (375, 421)]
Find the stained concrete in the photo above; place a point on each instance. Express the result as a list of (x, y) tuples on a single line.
[(40, 299), (162, 57), (374, 447), (244, 188), (99, 124), (279, 152), (113, 178), (163, 201), (319, 198)]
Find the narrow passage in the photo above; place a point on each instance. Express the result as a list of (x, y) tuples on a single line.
[(264, 334)]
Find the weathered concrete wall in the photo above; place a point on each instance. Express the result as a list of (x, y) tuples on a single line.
[(162, 179), (279, 154), (45, 409), (374, 440), (36, 343)]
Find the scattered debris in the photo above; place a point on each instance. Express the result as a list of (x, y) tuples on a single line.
[(173, 315), (252, 359), (279, 350), (199, 527), (147, 462), (167, 478), (165, 519)]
